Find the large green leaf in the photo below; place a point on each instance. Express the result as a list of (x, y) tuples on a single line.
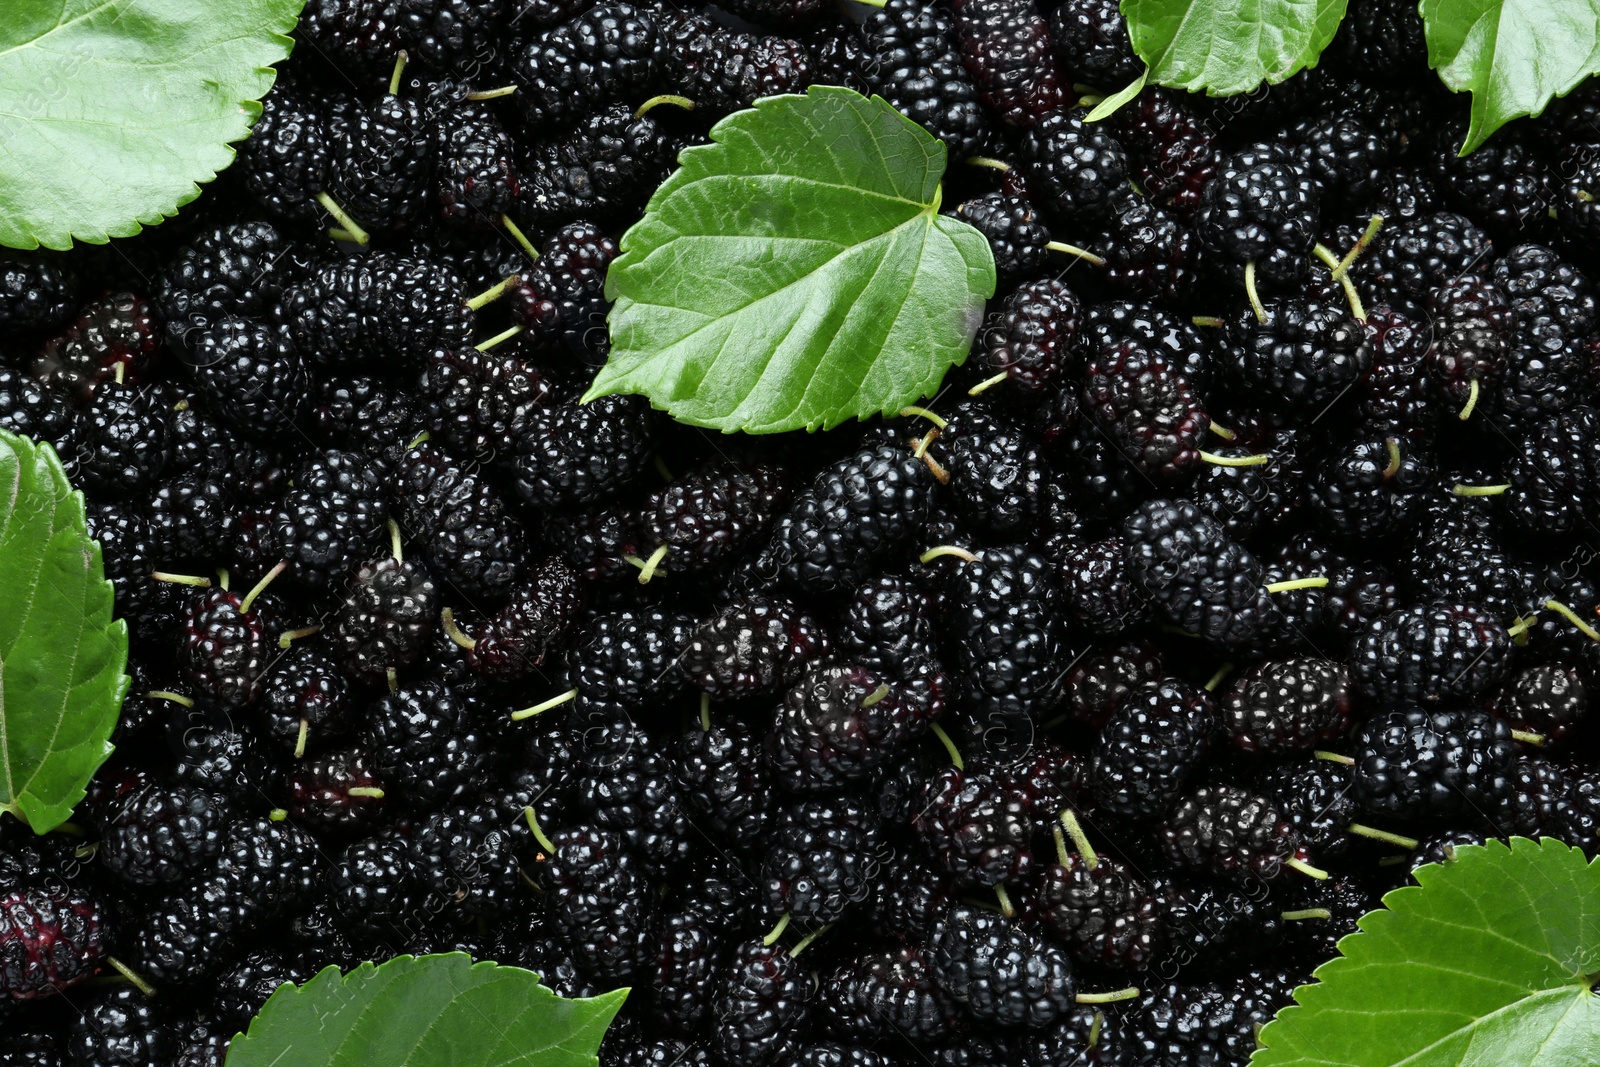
[(1511, 55), (111, 111), (1229, 46), (1489, 962), (425, 1011), (796, 272), (61, 655)]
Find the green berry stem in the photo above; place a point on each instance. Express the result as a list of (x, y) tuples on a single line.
[(421, 439), (1374, 224), (1479, 490), (1080, 840), (371, 792), (1073, 250), (805, 942), (167, 694), (1130, 993), (182, 579), (134, 978), (540, 709), (1223, 432), (278, 814), (261, 586), (949, 746), (1393, 445), (1307, 913), (1216, 679), (518, 236), (394, 541), (875, 696), (504, 335), (537, 830), (1333, 757), (914, 411), (1472, 401), (705, 712), (1521, 626), (393, 678), (1006, 907), (1571, 616), (492, 94), (988, 383), (665, 98), (986, 161), (352, 230), (1258, 460), (648, 570), (938, 551), (1528, 737), (1062, 857), (777, 931), (494, 292), (1291, 584), (399, 69), (1306, 869), (300, 739), (447, 621), (1398, 840), (1211, 321), (1250, 291)]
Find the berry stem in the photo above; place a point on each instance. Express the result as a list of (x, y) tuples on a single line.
[(1571, 616), (1062, 858), (777, 931), (1073, 250), (665, 98), (1307, 913), (518, 236), (705, 712), (121, 373), (1398, 840), (352, 228), (949, 746), (1472, 401), (913, 410), (986, 161), (261, 586), (1223, 432), (1216, 679), (371, 792), (391, 676), (134, 978), (289, 637), (1528, 737), (988, 383), (300, 740), (1208, 320), (504, 335), (492, 94), (540, 709), (278, 814), (1291, 584), (399, 69), (1480, 490), (447, 620), (1393, 445), (1130, 993), (938, 472), (923, 444), (421, 439), (1521, 627), (875, 696), (223, 578), (946, 550), (648, 571), (805, 942), (167, 694), (1258, 460), (1333, 757), (1306, 869), (339, 233), (182, 579), (394, 541), (1250, 291), (537, 830), (1006, 907), (1080, 840), (494, 292), (1374, 224)]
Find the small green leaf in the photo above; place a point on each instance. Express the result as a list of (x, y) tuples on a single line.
[(1108, 107), (1229, 46), (62, 656), (425, 1011), (112, 110), (1487, 963), (796, 272), (1512, 55)]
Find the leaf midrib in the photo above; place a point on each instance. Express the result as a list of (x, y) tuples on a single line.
[(1544, 994)]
